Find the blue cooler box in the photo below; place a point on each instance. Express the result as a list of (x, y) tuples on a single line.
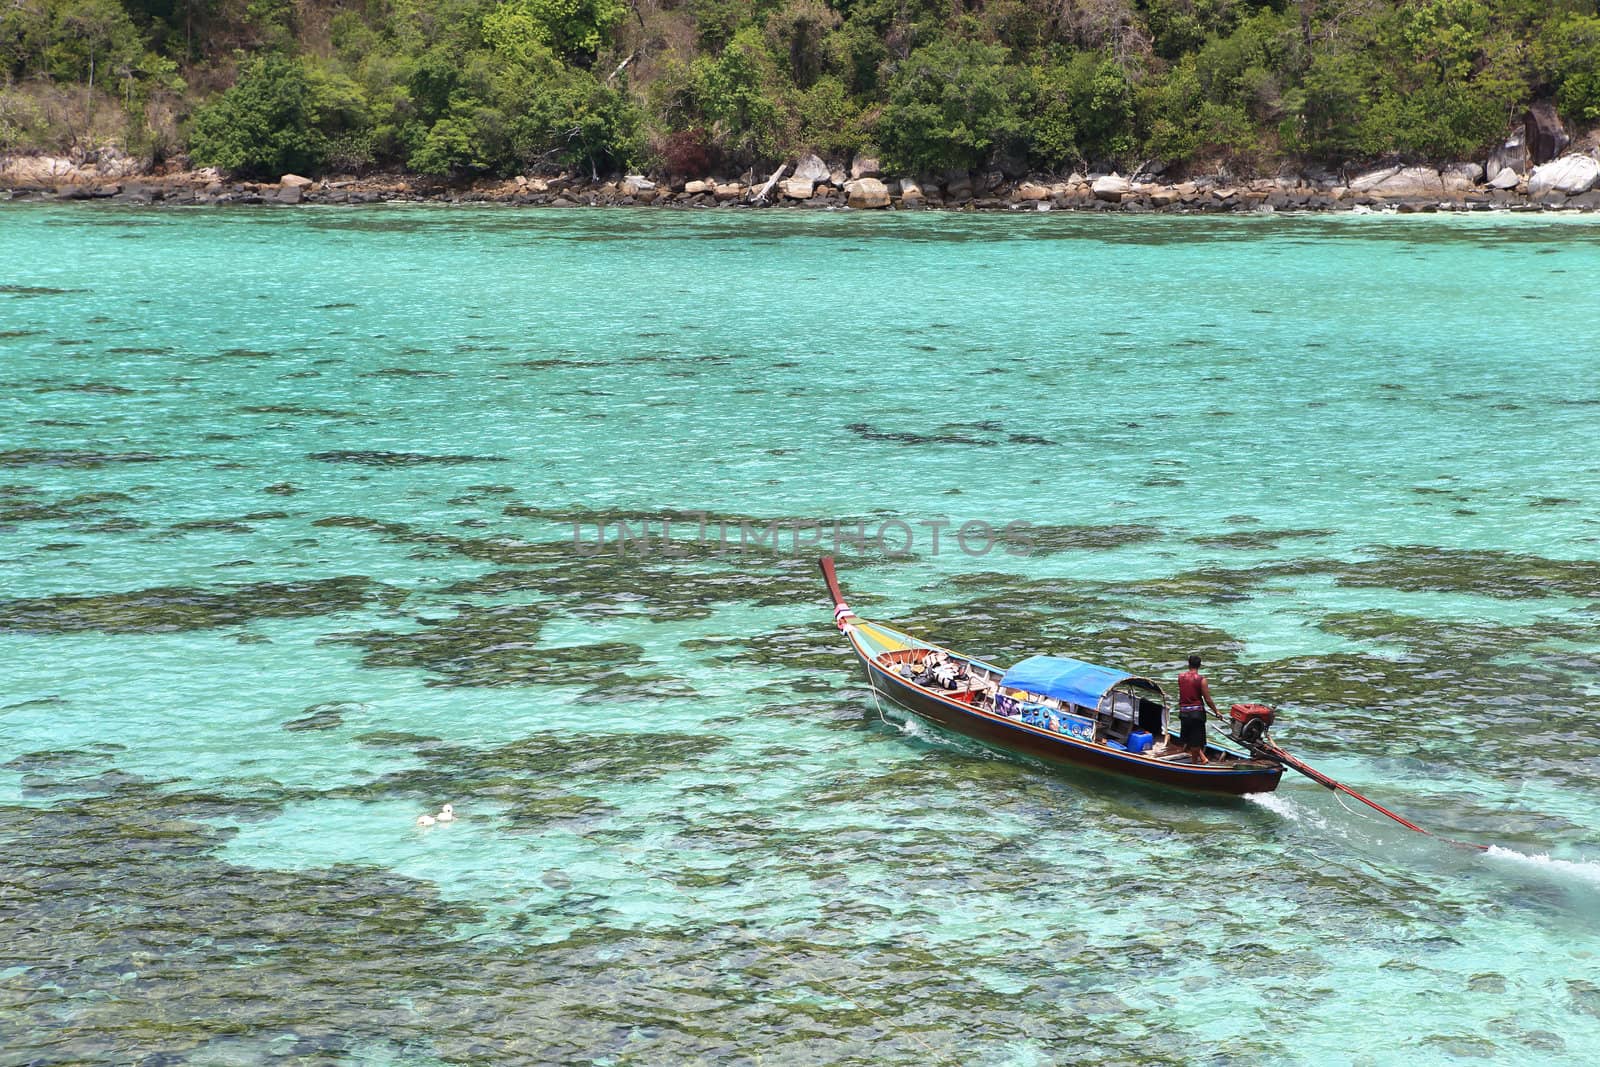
[(1140, 741)]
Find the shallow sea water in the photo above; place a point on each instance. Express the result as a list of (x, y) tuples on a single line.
[(286, 552)]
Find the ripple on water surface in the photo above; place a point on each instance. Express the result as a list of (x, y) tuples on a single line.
[(289, 565)]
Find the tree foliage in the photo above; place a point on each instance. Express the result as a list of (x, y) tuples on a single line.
[(576, 29), (953, 103), (278, 118), (1569, 50), (462, 87)]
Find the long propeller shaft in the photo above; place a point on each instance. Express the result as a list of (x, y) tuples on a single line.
[(1272, 751)]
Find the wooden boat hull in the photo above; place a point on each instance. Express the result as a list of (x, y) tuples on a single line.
[(1010, 735)]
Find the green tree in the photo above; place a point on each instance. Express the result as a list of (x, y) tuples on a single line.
[(1180, 27), (26, 33), (1341, 91), (1081, 112), (582, 123), (1248, 68), (1168, 107), (953, 103), (1569, 53), (516, 107), (460, 87), (447, 146), (572, 28), (798, 32), (1053, 123), (859, 50), (279, 117), (830, 122), (1107, 126), (93, 36), (734, 94)]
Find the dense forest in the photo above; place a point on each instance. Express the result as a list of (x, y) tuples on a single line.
[(495, 87)]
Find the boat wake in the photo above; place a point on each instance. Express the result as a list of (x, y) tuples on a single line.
[(1276, 804), (1579, 870), (1309, 817), (910, 727), (1286, 807), (1586, 872), (924, 733)]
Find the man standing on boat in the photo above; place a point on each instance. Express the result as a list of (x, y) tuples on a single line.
[(1194, 696)]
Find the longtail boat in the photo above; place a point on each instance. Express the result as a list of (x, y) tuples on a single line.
[(1051, 708), (1070, 713)]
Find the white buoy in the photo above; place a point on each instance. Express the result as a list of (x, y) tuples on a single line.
[(425, 820), (447, 814)]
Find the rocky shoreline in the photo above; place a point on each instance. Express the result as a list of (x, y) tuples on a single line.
[(1570, 183)]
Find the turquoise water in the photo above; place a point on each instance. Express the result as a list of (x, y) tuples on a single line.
[(287, 560)]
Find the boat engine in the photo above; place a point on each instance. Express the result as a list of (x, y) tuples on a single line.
[(1249, 723)]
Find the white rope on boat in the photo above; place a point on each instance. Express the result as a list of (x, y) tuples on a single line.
[(871, 685)]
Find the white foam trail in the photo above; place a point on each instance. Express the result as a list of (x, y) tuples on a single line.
[(917, 730), (1286, 807), (912, 728), (1582, 870), (1275, 804)]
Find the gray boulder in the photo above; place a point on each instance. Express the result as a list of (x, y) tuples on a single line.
[(1513, 155), (1569, 176), (1410, 182), (958, 185), (867, 193), (1507, 178), (865, 167), (810, 169), (1546, 137), (1461, 178), (1364, 182), (1111, 188), (37, 172), (111, 162)]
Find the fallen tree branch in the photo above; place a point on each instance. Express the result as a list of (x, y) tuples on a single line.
[(761, 197)]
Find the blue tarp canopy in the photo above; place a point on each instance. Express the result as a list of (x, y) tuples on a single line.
[(1065, 679)]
